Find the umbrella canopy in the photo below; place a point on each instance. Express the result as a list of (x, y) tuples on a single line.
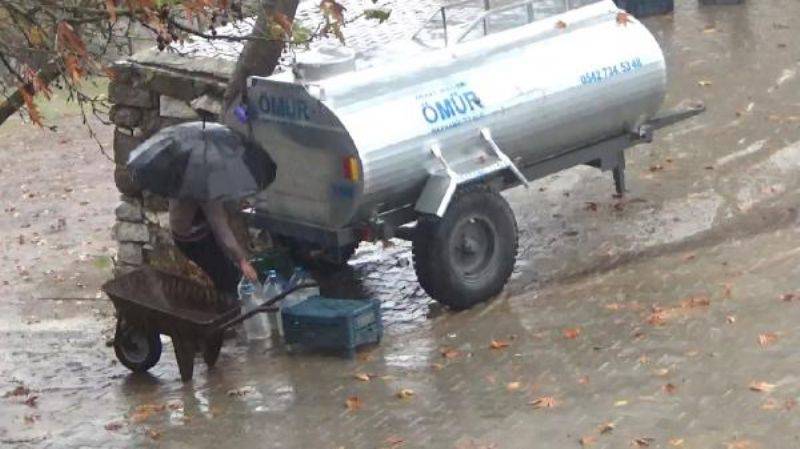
[(200, 161)]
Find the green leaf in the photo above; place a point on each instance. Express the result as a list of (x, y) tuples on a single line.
[(381, 15)]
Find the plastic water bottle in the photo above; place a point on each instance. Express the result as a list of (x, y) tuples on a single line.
[(300, 276), (256, 327), (273, 286)]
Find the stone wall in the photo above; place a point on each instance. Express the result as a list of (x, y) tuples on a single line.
[(149, 92)]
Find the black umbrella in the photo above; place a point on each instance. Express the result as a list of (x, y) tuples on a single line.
[(200, 161)]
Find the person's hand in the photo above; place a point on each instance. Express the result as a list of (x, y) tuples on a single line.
[(248, 271)]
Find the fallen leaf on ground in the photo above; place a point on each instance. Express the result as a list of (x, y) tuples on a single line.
[(730, 319), (499, 344), (243, 391), (787, 297), (661, 372), (727, 290), (676, 442), (704, 83), (767, 339), (437, 367), (689, 257), (153, 434), (143, 412), (20, 390), (571, 333), (561, 24), (449, 353), (696, 301), (353, 403), (656, 167), (591, 206), (740, 444), (364, 377), (642, 441), (544, 402), (774, 404), (394, 441), (175, 405), (588, 440), (405, 393), (513, 386), (607, 427), (31, 400), (583, 380), (113, 426), (761, 387), (669, 388), (709, 30), (657, 317), (620, 403)]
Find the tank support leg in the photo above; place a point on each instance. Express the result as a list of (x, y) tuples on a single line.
[(619, 174)]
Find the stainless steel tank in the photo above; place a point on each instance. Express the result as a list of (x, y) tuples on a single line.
[(357, 144)]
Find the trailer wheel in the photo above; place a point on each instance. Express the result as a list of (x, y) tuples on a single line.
[(466, 256), (136, 348)]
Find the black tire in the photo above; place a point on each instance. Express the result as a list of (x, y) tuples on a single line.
[(467, 256), (136, 348)]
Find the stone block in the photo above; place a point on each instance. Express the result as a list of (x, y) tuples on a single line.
[(124, 143), (129, 211), (125, 116), (124, 182), (155, 203), (175, 108), (175, 85), (127, 95), (209, 104), (130, 253), (121, 269), (124, 231)]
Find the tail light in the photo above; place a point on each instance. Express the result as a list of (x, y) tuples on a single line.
[(352, 172)]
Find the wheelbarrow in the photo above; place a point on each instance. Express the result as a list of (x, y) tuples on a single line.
[(151, 303)]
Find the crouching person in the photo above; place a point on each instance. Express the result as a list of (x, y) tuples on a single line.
[(202, 232)]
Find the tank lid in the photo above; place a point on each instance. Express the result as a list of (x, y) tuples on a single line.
[(324, 61)]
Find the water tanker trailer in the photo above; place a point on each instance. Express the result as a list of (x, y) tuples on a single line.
[(418, 147)]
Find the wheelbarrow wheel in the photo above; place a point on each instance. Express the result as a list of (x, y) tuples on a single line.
[(466, 256), (138, 349)]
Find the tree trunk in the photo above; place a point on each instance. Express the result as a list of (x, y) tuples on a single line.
[(259, 57)]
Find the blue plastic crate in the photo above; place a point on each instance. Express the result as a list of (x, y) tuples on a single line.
[(332, 324), (644, 8)]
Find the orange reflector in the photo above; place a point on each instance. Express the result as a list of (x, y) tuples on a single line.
[(351, 170)]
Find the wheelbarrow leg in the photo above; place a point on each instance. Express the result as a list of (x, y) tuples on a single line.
[(185, 349), (212, 349)]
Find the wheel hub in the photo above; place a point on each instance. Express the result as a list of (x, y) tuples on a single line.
[(473, 245)]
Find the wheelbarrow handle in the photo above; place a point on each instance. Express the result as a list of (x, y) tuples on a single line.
[(267, 306)]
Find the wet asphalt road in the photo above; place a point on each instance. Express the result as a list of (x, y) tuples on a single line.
[(664, 319)]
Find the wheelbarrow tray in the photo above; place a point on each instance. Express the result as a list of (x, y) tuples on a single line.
[(171, 305)]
